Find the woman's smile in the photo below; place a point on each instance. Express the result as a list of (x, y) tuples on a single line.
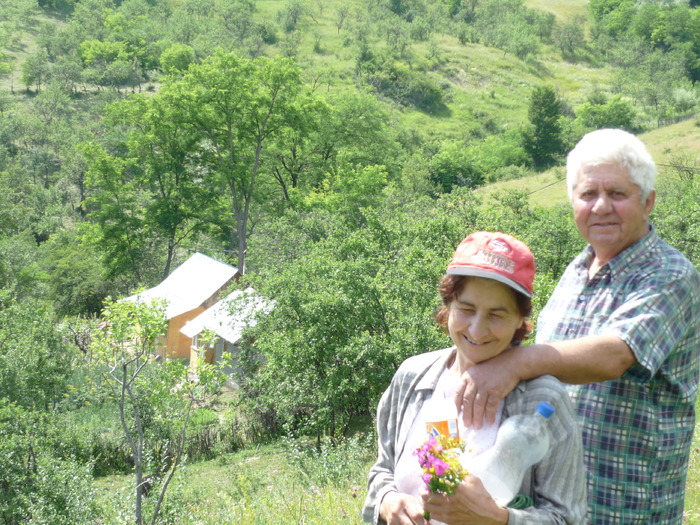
[(482, 320)]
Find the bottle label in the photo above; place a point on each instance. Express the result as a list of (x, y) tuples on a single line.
[(446, 428)]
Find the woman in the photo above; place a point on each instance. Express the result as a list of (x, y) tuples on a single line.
[(486, 297)]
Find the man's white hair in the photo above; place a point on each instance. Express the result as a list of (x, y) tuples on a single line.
[(616, 147)]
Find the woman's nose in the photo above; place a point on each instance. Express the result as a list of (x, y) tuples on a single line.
[(478, 328)]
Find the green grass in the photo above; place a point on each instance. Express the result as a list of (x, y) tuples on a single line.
[(564, 11), (260, 485), (267, 484)]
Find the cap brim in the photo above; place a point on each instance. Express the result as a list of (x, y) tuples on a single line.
[(486, 274)]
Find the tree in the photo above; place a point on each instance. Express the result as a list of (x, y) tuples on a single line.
[(35, 70), (166, 160), (601, 112), (544, 139), (115, 206), (350, 305), (34, 361), (176, 59), (570, 37), (151, 396), (234, 106), (300, 157)]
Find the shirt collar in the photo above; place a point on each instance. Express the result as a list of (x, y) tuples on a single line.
[(621, 263)]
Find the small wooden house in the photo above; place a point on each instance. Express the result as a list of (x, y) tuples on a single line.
[(192, 288), (227, 320)]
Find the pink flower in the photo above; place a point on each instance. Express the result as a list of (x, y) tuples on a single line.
[(440, 467), (439, 459)]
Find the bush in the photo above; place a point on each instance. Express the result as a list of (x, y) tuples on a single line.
[(39, 483), (397, 81), (62, 493)]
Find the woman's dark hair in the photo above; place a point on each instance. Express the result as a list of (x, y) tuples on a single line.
[(452, 285)]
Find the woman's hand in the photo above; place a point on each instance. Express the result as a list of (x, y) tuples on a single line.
[(470, 504), (402, 509)]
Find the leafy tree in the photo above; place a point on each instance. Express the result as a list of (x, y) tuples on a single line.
[(35, 70), (613, 16), (300, 157), (454, 165), (78, 285), (648, 74), (176, 59), (601, 112), (511, 27), (234, 106), (34, 361), (350, 308), (544, 140), (165, 158), (570, 37), (117, 227), (154, 400)]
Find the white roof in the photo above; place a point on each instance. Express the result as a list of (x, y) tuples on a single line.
[(190, 285), (229, 317)]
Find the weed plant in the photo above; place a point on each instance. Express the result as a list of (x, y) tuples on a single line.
[(285, 482)]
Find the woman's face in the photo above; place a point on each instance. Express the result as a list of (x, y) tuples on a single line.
[(482, 320)]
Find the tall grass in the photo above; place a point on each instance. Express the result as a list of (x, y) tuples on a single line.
[(286, 482)]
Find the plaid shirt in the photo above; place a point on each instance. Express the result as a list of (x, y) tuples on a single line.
[(637, 429)]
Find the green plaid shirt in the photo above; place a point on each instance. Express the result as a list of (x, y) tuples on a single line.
[(637, 430)]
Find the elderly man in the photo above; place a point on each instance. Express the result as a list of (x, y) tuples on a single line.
[(622, 329)]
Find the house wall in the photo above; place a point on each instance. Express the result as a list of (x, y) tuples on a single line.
[(178, 343)]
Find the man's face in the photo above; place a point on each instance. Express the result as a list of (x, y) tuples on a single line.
[(608, 209)]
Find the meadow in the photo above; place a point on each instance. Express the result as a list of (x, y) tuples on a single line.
[(287, 482)]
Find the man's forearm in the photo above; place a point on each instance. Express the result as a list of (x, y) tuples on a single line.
[(577, 361)]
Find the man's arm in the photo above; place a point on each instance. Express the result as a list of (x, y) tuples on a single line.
[(577, 361)]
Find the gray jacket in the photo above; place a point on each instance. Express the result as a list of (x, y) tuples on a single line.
[(556, 484)]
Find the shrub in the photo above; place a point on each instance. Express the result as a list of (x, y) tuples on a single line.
[(397, 81), (62, 493), (39, 483)]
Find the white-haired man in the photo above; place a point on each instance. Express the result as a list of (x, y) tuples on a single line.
[(622, 328)]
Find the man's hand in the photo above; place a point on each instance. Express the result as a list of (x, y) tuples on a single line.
[(483, 386), (402, 509), (471, 504)]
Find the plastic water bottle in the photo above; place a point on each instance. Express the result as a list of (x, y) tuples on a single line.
[(522, 441)]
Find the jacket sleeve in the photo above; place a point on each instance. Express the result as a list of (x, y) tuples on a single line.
[(381, 475)]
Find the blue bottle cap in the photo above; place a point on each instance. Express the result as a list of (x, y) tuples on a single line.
[(545, 409)]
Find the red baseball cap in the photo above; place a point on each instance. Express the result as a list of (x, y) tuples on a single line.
[(498, 256)]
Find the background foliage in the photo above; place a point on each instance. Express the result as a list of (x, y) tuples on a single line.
[(335, 152)]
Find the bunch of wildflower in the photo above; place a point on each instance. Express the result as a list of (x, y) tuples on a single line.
[(439, 458)]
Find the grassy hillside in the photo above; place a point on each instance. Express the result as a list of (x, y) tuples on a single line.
[(667, 145), (564, 10)]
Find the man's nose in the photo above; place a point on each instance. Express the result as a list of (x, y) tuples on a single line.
[(602, 204)]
